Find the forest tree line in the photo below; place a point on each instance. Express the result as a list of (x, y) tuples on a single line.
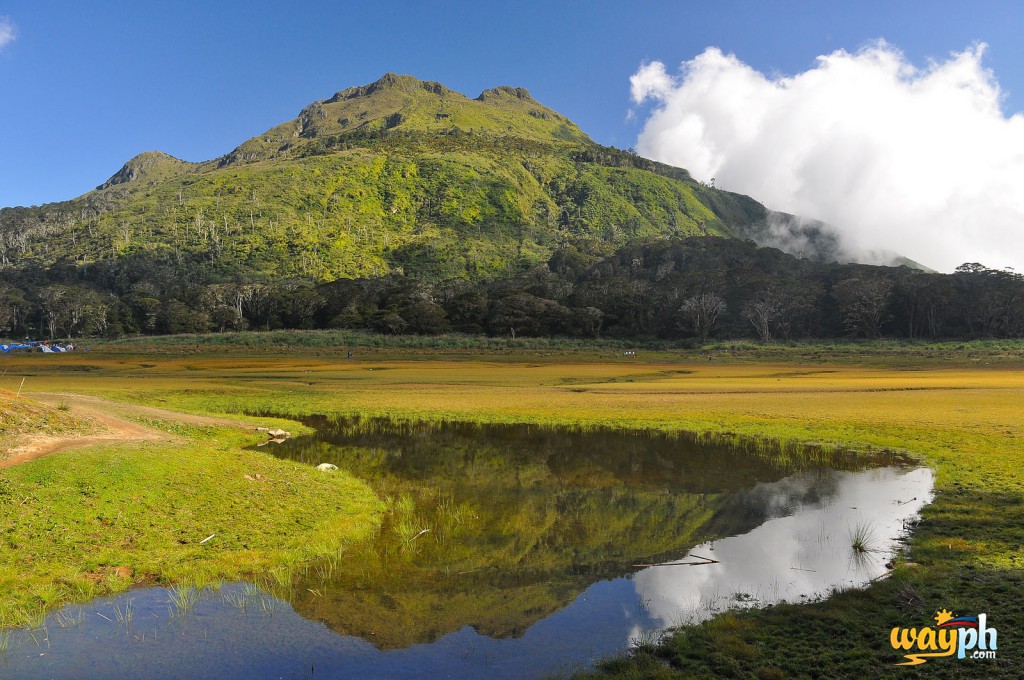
[(698, 287)]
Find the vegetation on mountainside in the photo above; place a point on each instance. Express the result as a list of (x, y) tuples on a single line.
[(433, 206), (397, 176), (685, 290), (404, 207), (404, 103)]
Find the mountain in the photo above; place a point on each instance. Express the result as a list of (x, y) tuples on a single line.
[(401, 176), (403, 103), (148, 168)]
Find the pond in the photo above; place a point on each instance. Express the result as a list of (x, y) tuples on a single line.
[(510, 551)]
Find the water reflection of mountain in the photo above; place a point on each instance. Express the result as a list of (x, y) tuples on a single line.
[(498, 526)]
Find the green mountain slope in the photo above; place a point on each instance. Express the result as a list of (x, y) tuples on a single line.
[(149, 168), (403, 103), (399, 176)]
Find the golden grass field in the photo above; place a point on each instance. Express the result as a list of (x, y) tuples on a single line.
[(967, 421)]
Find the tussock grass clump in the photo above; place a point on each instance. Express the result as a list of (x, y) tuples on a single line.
[(862, 538)]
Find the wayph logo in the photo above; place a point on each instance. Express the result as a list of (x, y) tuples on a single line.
[(970, 637)]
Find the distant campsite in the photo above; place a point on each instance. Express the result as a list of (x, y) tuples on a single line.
[(39, 346)]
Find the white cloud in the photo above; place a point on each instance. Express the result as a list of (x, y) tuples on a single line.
[(920, 161), (7, 32)]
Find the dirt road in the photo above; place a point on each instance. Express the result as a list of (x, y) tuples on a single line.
[(111, 424)]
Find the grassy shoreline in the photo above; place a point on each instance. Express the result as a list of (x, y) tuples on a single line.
[(374, 346), (962, 418), (104, 518)]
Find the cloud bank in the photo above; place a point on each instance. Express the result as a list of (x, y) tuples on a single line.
[(7, 32), (920, 161)]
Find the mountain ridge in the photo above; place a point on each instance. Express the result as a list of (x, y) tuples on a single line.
[(502, 218), (398, 176), (148, 166), (405, 103)]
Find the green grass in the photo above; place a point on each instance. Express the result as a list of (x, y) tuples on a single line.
[(183, 598), (958, 410), (863, 538), (368, 345), (960, 416), (70, 521)]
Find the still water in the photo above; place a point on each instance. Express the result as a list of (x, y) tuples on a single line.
[(509, 551)]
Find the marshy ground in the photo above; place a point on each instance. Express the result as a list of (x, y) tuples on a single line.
[(76, 516)]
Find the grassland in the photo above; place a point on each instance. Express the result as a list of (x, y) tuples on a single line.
[(952, 410), (101, 519), (453, 346)]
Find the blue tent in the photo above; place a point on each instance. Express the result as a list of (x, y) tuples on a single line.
[(21, 345)]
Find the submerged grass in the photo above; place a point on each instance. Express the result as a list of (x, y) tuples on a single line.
[(125, 615), (183, 598), (68, 619)]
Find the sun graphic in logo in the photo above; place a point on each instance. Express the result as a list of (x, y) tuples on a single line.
[(942, 616)]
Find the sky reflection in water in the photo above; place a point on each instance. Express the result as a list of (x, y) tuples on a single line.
[(785, 538)]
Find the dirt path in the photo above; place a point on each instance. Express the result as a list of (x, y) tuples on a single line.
[(110, 424)]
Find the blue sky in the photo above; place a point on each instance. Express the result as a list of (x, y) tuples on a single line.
[(88, 85)]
